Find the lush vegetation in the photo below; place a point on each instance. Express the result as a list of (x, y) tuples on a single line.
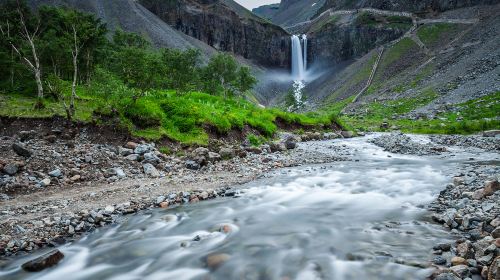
[(61, 61), (369, 19)]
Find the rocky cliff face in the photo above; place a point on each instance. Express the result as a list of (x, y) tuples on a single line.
[(341, 43), (226, 26), (416, 6)]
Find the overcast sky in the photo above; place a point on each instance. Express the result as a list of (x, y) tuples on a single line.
[(250, 4)]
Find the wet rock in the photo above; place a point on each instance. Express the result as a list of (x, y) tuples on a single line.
[(446, 276), (290, 143), (439, 260), (443, 247), (55, 173), (125, 151), (21, 150), (458, 261), (150, 170), (496, 233), (164, 204), (216, 260), (461, 271), (160, 199), (47, 260)]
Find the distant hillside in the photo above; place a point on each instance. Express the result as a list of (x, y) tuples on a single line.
[(267, 11), (132, 17), (290, 12)]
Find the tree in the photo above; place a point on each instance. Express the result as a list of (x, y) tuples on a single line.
[(181, 68), (222, 74), (74, 32), (21, 30), (127, 39)]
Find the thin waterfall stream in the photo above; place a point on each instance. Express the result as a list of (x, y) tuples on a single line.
[(299, 66)]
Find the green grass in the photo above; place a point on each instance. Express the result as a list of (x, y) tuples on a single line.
[(368, 19), (182, 118), (470, 117), (430, 34)]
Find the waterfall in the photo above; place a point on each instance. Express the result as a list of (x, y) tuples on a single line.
[(298, 67), (304, 40)]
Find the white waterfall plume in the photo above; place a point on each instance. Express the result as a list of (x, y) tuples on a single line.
[(299, 57)]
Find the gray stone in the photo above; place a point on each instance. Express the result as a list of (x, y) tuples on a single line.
[(212, 157), (151, 158), (491, 133), (125, 151), (347, 134), (461, 271), (150, 170), (55, 173), (160, 199), (496, 233), (21, 150), (133, 157), (119, 172), (11, 168), (191, 164), (277, 147), (142, 149), (200, 152), (226, 153), (45, 182)]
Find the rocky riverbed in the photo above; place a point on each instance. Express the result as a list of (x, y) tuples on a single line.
[(54, 187), (469, 205), (65, 209)]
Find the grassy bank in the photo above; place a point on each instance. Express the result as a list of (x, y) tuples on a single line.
[(465, 118), (186, 118)]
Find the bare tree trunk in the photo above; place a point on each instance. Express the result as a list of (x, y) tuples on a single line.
[(75, 73)]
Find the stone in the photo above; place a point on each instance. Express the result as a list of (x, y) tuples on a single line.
[(443, 247), (457, 181), (446, 276), (491, 133), (47, 260), (461, 271), (55, 173), (119, 172), (191, 164), (160, 199), (133, 157), (439, 260), (347, 134), (75, 178), (109, 209), (151, 158), (215, 260), (164, 204), (204, 195), (142, 149), (490, 187), (125, 151), (131, 145), (213, 157), (464, 250), (150, 170), (11, 168), (458, 261), (496, 233), (21, 150), (290, 143), (495, 222), (51, 138), (226, 153), (45, 182), (200, 152), (478, 194), (277, 147)]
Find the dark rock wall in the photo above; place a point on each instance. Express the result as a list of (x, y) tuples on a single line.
[(222, 25), (416, 6), (334, 44)]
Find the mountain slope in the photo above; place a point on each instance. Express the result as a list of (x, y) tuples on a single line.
[(226, 26), (290, 12), (132, 17)]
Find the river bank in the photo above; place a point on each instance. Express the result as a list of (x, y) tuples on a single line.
[(63, 214)]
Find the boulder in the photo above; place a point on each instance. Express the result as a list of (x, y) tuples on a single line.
[(347, 134), (151, 158), (215, 260), (191, 164), (290, 143), (496, 233), (131, 145), (277, 147), (55, 173), (461, 271), (142, 149), (490, 187), (47, 260), (226, 153), (11, 168), (21, 150), (212, 157), (491, 133), (150, 170)]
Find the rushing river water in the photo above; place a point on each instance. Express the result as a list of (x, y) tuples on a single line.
[(345, 220)]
